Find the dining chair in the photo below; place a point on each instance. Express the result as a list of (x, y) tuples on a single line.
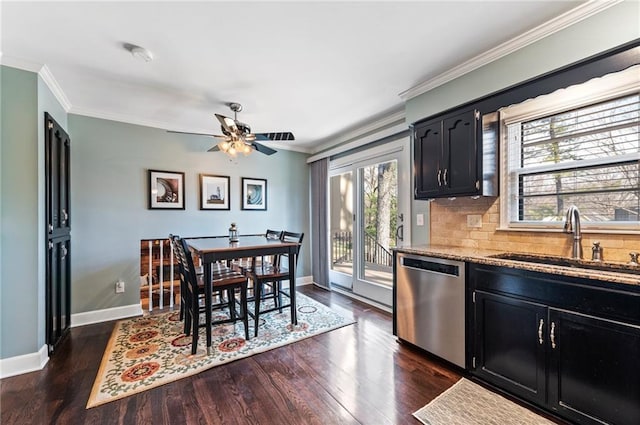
[(267, 279), (223, 280)]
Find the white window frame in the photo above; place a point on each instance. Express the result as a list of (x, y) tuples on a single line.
[(597, 90)]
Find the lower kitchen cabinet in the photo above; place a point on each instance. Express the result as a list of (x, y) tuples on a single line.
[(571, 346), (508, 353), (594, 369)]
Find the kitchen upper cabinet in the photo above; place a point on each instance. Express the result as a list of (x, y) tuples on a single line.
[(428, 157), (569, 345), (446, 155)]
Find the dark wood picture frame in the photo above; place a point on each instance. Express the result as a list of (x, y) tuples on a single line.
[(166, 190), (254, 194), (214, 192)]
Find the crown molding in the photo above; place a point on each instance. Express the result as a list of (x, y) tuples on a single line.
[(55, 88), (556, 24), (44, 72), (19, 63), (384, 127), (359, 132), (160, 125)]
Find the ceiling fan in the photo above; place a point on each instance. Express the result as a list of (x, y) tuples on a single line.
[(237, 137)]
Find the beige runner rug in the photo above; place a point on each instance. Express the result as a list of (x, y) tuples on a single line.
[(467, 403), (149, 351)]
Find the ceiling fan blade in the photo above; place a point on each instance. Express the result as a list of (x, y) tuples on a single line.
[(263, 149), (286, 135), (195, 134), (227, 124)]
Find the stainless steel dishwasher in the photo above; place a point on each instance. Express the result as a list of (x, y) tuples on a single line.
[(429, 305)]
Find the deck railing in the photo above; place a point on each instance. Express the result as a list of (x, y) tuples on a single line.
[(342, 250)]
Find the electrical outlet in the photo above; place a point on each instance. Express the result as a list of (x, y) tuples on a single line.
[(119, 287)]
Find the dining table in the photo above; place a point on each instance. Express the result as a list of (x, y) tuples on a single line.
[(213, 249)]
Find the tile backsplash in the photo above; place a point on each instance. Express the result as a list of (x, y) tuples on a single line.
[(451, 225)]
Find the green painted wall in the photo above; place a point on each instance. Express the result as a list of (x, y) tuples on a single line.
[(109, 163), (606, 30), (19, 327)]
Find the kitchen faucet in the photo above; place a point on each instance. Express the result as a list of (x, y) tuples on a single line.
[(572, 225)]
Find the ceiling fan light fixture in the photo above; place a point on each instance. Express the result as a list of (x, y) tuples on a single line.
[(224, 146)]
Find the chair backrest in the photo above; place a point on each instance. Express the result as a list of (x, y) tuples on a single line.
[(273, 234), (182, 253), (292, 237)]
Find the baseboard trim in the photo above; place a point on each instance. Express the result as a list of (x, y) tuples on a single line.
[(362, 299), (25, 363), (105, 315), (304, 280)]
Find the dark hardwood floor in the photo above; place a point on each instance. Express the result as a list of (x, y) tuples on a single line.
[(358, 374)]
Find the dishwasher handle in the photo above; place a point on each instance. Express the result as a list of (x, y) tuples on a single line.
[(430, 266)]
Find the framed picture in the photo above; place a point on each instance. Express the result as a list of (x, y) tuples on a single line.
[(214, 192), (254, 194), (166, 190)]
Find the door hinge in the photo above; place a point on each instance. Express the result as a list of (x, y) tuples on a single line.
[(477, 115), (477, 184), (473, 362), (49, 125), (50, 245)]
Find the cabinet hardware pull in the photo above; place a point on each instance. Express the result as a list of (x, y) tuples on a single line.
[(540, 340), (439, 177), (553, 335), (444, 176), (64, 252), (50, 228)]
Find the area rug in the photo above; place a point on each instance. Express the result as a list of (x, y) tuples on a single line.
[(467, 403), (150, 351)]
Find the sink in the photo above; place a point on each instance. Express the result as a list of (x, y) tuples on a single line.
[(551, 260)]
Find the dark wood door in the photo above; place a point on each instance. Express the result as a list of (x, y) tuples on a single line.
[(58, 227), (594, 369), (460, 153), (427, 157), (510, 344)]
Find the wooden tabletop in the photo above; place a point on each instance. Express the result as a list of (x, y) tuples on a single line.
[(211, 245)]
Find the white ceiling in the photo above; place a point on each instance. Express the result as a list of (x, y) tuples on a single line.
[(316, 69)]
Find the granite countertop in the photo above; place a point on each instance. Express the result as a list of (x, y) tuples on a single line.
[(485, 256)]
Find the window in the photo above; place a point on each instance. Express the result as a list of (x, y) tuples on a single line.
[(572, 148)]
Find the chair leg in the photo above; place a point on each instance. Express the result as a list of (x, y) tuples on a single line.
[(231, 296), (245, 311), (257, 286), (195, 324), (277, 289), (182, 299)]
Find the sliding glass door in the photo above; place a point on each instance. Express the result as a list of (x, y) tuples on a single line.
[(368, 201)]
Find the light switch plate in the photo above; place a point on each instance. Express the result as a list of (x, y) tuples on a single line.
[(420, 219), (119, 287), (474, 220)]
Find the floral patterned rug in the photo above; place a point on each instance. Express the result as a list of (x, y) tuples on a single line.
[(149, 351)]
